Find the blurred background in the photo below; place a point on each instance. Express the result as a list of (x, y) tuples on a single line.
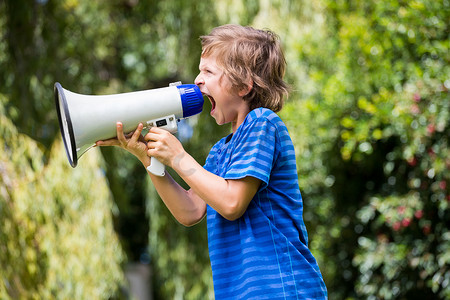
[(369, 116)]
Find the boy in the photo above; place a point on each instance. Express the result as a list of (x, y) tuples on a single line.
[(248, 187)]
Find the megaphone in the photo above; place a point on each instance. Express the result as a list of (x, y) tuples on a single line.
[(85, 119)]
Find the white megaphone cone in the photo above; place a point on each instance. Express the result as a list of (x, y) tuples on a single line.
[(85, 119)]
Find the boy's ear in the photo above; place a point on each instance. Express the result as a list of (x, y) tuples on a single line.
[(243, 92)]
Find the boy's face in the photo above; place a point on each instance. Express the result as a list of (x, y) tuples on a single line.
[(227, 104)]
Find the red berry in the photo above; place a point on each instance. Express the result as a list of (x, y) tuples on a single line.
[(406, 222), (418, 214), (397, 225), (412, 161)]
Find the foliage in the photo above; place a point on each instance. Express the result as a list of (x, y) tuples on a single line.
[(369, 116), (57, 239), (373, 141), (95, 47)]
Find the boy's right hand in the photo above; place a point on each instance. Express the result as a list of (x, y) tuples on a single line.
[(164, 146)]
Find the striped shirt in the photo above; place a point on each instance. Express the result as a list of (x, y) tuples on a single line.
[(264, 254)]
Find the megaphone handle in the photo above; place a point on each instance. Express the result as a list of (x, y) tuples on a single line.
[(156, 167)]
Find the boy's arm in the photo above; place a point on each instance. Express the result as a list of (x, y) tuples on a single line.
[(229, 198), (185, 206)]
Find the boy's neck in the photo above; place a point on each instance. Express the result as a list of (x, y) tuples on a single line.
[(243, 112)]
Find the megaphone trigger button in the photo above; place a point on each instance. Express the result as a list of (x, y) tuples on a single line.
[(161, 123)]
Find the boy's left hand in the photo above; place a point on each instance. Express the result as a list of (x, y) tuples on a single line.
[(133, 142)]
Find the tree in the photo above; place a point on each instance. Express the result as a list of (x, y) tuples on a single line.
[(373, 141), (369, 116), (56, 237)]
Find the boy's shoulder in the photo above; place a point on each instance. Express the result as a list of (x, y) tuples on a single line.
[(262, 113)]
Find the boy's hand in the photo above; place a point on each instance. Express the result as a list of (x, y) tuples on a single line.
[(132, 142), (163, 145)]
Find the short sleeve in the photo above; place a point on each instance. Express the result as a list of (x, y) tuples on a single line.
[(209, 163), (254, 151)]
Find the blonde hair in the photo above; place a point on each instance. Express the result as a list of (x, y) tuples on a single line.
[(250, 56)]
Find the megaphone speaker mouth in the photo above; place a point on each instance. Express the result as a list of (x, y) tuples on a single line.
[(65, 124), (85, 119)]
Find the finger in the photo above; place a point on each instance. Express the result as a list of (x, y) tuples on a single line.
[(110, 142), (120, 135), (152, 145), (157, 130), (151, 152), (151, 136), (154, 129), (137, 132)]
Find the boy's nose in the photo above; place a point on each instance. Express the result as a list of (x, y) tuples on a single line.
[(199, 80)]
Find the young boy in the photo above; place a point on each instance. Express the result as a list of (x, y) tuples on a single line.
[(248, 187)]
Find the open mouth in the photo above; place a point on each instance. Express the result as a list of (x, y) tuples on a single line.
[(213, 102)]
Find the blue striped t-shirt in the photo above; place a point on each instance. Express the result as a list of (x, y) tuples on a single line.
[(264, 254)]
